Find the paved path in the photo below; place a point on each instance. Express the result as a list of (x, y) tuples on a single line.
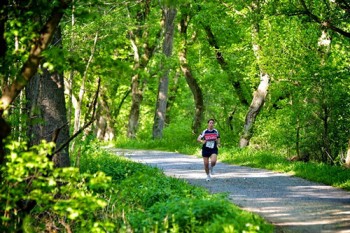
[(290, 203)]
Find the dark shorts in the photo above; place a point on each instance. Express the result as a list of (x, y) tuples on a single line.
[(207, 152)]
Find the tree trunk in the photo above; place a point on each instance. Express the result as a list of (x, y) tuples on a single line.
[(48, 114), (134, 116), (77, 113), (172, 96), (191, 81), (259, 95), (104, 121), (5, 128), (324, 44), (142, 55), (347, 159), (69, 83), (160, 113), (45, 94)]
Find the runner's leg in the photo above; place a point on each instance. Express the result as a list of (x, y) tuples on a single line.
[(206, 164), (213, 159)]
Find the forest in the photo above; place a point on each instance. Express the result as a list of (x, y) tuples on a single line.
[(274, 75)]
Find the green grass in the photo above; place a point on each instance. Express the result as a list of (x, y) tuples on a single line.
[(143, 199), (335, 176)]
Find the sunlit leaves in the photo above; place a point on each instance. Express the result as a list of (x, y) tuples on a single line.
[(29, 177)]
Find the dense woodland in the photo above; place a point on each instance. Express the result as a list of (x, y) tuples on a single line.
[(273, 74)]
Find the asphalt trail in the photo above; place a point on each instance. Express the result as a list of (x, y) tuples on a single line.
[(290, 203)]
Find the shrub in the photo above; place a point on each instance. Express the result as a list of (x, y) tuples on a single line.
[(35, 196)]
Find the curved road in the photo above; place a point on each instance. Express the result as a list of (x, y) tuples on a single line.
[(290, 203)]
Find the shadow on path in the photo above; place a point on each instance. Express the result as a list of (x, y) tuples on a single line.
[(290, 203)]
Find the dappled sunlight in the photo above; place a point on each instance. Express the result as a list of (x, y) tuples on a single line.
[(319, 191), (290, 202)]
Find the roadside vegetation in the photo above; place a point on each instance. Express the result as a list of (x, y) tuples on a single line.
[(107, 193)]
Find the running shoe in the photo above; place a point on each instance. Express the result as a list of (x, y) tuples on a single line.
[(208, 178)]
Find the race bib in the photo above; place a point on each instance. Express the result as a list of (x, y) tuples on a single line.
[(210, 144)]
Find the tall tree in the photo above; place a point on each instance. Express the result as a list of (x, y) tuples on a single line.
[(78, 106), (260, 93), (10, 90), (48, 115), (186, 69), (169, 14), (143, 49)]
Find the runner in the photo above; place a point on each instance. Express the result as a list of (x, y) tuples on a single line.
[(210, 139)]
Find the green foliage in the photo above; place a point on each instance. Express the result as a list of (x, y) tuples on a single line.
[(208, 214), (143, 199), (36, 196), (307, 106), (22, 23)]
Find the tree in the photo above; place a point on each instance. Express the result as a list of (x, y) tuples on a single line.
[(260, 93), (169, 14), (48, 114), (143, 49), (186, 69), (29, 68)]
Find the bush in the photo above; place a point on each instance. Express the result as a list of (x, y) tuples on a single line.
[(210, 214), (35, 196)]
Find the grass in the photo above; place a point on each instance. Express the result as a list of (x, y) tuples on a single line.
[(335, 176), (143, 199)]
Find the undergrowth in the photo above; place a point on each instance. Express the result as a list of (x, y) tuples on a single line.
[(108, 193)]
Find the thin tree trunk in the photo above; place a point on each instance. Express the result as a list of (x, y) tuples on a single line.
[(259, 96), (136, 92), (347, 159), (172, 96), (160, 113), (125, 95), (258, 101), (70, 82), (191, 81), (297, 139), (77, 113), (324, 44), (134, 116)]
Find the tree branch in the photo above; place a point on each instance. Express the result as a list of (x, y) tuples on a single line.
[(30, 67), (325, 24)]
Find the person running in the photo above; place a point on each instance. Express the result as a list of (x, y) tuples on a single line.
[(210, 140)]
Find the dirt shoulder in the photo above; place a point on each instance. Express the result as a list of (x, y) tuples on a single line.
[(290, 203)]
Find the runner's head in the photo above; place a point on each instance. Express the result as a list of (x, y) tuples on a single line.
[(211, 123)]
